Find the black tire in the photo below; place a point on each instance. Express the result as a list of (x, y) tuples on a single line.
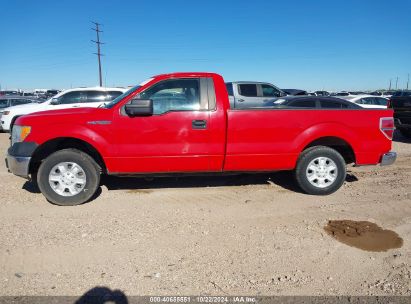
[(310, 155), (405, 133), (90, 167)]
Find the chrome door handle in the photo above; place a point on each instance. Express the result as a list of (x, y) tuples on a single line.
[(240, 100)]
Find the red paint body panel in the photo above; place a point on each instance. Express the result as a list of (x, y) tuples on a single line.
[(235, 140)]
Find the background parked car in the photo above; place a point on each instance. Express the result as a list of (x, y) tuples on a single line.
[(369, 101), (295, 92), (80, 97), (247, 94), (312, 102), (51, 93), (8, 93), (386, 94), (10, 101), (400, 102), (322, 93), (342, 93)]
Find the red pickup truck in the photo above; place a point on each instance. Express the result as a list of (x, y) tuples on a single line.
[(182, 123)]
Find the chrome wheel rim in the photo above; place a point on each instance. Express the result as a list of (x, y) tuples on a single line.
[(67, 179), (322, 172)]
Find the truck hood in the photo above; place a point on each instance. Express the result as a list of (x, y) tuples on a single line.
[(65, 116), (69, 111)]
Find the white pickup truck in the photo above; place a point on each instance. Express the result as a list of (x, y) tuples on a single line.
[(72, 98)]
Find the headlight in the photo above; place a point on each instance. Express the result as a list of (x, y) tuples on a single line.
[(19, 133), (6, 112)]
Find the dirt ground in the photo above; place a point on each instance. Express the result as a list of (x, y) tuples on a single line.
[(248, 235)]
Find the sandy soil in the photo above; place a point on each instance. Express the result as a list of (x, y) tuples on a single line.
[(249, 235)]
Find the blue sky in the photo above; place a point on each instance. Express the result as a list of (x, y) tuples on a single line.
[(332, 44)]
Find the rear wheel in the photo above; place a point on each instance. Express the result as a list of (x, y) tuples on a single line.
[(68, 177), (320, 170)]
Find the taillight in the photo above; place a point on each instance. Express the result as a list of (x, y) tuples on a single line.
[(387, 126)]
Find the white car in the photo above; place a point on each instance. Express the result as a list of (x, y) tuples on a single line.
[(368, 101), (72, 98)]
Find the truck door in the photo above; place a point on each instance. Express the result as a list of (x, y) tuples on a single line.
[(269, 94), (174, 139)]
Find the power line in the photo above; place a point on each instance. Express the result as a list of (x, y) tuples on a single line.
[(98, 49)]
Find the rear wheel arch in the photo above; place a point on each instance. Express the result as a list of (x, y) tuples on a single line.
[(57, 144), (334, 142)]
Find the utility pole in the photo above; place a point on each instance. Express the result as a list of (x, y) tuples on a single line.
[(396, 84), (408, 80), (389, 89), (98, 49)]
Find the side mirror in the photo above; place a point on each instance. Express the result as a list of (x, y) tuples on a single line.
[(54, 101), (139, 107)]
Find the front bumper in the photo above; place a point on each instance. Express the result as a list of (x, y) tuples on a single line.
[(18, 158), (18, 165), (388, 158)]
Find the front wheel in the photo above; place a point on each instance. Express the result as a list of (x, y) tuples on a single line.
[(68, 177), (320, 170)]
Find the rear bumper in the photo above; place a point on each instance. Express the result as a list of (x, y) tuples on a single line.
[(388, 158), (18, 165)]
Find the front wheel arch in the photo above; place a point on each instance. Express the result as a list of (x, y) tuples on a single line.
[(57, 144), (13, 120)]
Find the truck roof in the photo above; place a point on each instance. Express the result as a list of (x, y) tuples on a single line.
[(186, 74)]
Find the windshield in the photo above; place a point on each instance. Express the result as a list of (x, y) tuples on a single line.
[(119, 98), (125, 94)]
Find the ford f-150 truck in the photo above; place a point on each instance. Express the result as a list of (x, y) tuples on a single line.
[(182, 123)]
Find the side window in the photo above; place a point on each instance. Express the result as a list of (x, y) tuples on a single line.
[(303, 103), (72, 97), (229, 87), (3, 103), (270, 91), (381, 101), (95, 96), (248, 90), (174, 95), (111, 95), (332, 104), (368, 100), (16, 102)]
